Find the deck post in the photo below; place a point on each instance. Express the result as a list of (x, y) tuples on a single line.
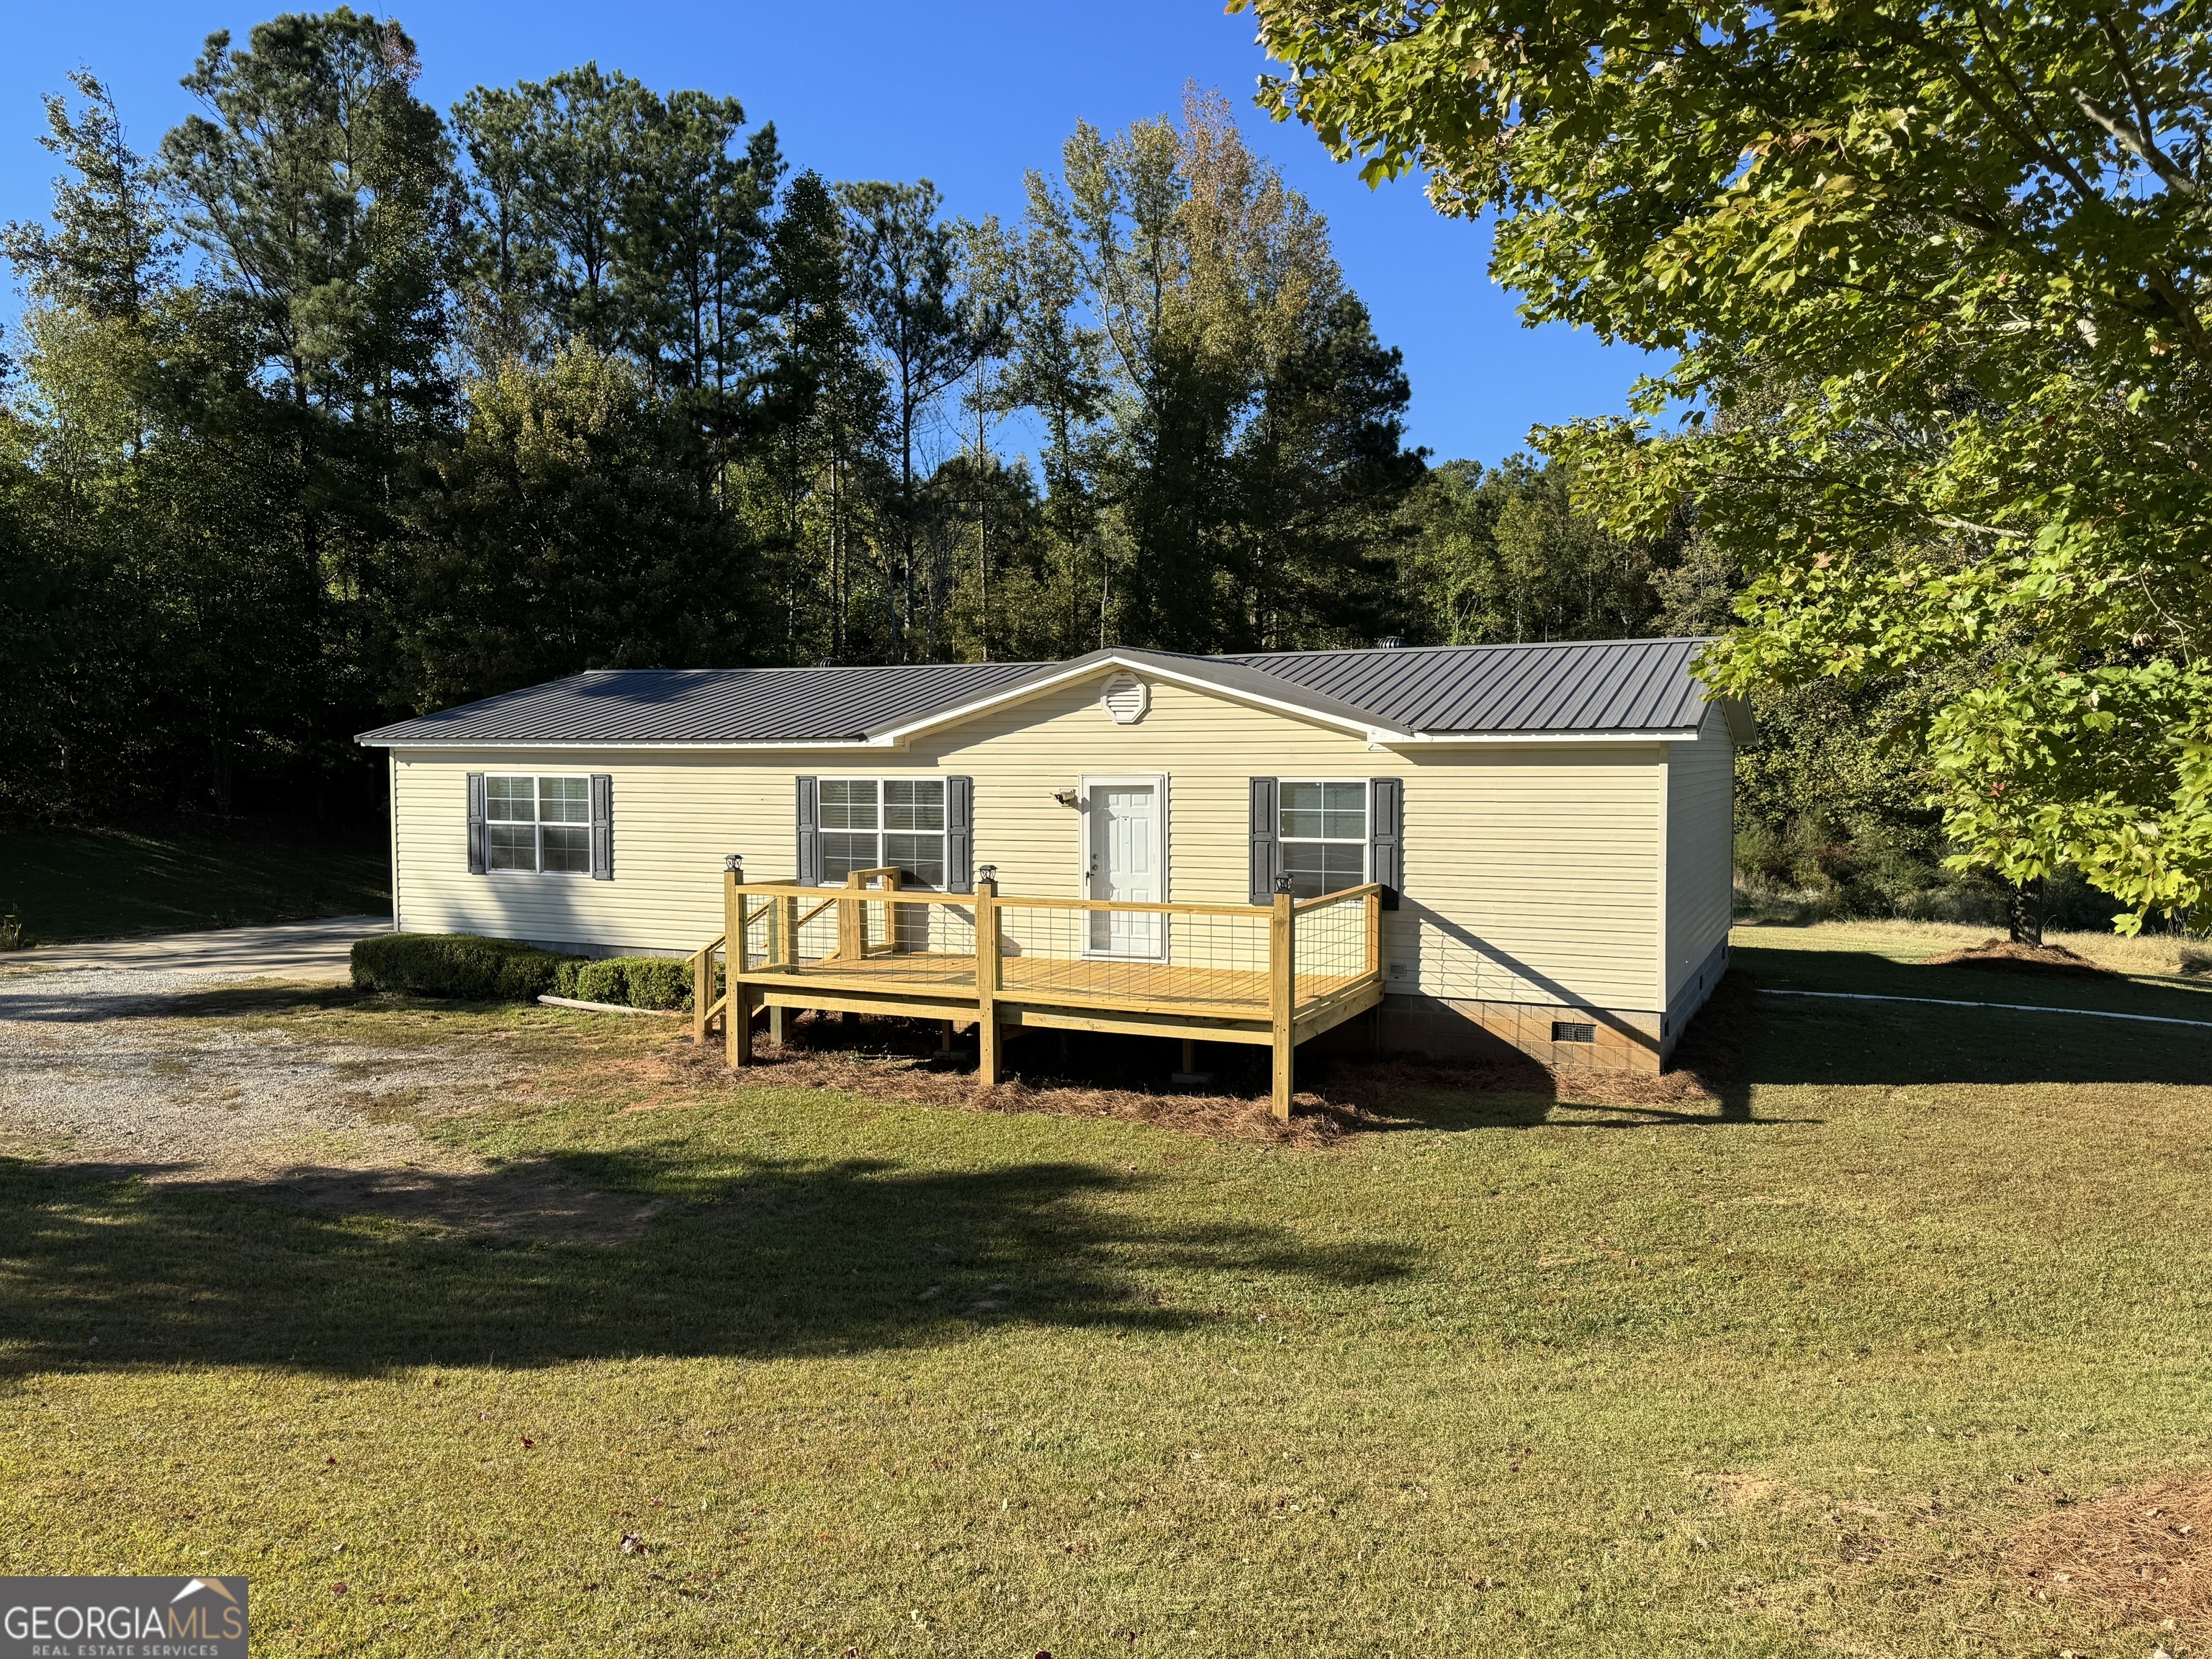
[(702, 992), (1282, 992), (737, 1004), (786, 949), (852, 922), (989, 1063)]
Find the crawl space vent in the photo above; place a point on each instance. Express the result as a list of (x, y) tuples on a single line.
[(1125, 698)]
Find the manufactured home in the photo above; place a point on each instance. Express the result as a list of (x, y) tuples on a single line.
[(1436, 850)]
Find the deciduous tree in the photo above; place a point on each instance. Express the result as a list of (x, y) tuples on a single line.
[(1969, 245)]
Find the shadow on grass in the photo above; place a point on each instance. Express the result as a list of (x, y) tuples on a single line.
[(1706, 1087), (1816, 1040), (760, 1259)]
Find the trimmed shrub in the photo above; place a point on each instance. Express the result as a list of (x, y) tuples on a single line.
[(657, 982), (599, 980), (456, 965), (629, 982)]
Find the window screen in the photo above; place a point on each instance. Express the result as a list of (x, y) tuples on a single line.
[(874, 824), (537, 823), (1324, 833), (851, 826)]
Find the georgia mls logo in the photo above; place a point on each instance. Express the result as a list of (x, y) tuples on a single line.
[(122, 1619)]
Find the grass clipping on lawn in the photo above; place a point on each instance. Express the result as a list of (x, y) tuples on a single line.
[(892, 1059), (2141, 1554)]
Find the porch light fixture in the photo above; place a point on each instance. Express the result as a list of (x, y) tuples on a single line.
[(1066, 797)]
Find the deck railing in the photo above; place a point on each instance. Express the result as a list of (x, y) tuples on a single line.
[(1251, 974)]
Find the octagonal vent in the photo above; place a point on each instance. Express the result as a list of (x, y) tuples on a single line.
[(1125, 698)]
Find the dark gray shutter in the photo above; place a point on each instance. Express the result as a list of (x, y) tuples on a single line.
[(960, 835), (1386, 837), (603, 826), (809, 831), (476, 823), (1267, 853)]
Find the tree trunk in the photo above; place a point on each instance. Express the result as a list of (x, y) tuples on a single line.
[(2024, 908)]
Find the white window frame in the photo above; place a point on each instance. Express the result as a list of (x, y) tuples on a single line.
[(879, 779), (1363, 841), (537, 823)]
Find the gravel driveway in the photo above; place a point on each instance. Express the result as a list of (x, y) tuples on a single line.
[(104, 1068)]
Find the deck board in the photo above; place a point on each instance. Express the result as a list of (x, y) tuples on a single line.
[(1087, 981)]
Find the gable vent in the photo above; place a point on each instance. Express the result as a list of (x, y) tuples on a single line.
[(1125, 698)]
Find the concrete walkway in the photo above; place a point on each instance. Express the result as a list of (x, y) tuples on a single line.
[(285, 950)]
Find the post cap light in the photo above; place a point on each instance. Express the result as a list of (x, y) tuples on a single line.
[(1282, 884), (734, 862), (986, 872)]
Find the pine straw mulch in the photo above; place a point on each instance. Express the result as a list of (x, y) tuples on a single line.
[(1081, 1075), (2005, 956), (2141, 1554)]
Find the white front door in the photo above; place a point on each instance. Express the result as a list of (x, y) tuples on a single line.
[(1126, 856)]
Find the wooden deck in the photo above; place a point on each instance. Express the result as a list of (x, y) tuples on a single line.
[(1006, 983)]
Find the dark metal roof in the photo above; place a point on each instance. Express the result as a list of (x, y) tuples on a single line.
[(1580, 685), (709, 705), (1599, 685)]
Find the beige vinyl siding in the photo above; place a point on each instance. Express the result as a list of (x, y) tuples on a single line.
[(1700, 847), (675, 815), (1532, 873)]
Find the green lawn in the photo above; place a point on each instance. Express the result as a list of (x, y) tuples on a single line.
[(106, 884), (1784, 1373)]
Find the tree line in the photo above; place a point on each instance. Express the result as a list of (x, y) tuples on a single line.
[(333, 406)]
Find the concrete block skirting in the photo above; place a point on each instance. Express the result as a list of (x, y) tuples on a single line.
[(1451, 1028)]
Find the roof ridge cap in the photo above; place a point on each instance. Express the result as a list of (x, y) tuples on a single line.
[(1493, 645)]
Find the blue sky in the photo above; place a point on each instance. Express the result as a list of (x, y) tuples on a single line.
[(967, 95)]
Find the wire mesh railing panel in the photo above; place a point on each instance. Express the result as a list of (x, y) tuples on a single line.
[(1134, 958), (1196, 959), (820, 935), (937, 930), (875, 935), (760, 932), (1332, 947)]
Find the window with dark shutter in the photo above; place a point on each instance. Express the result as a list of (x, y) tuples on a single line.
[(960, 835), (809, 831), (1266, 852), (476, 823), (603, 826), (1386, 837)]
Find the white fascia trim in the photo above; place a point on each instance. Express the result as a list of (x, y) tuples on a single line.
[(899, 734), (1377, 737), (572, 745), (1485, 739)]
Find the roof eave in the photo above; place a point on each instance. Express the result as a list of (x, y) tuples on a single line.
[(1328, 711), (1743, 729), (379, 740), (1484, 739)]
